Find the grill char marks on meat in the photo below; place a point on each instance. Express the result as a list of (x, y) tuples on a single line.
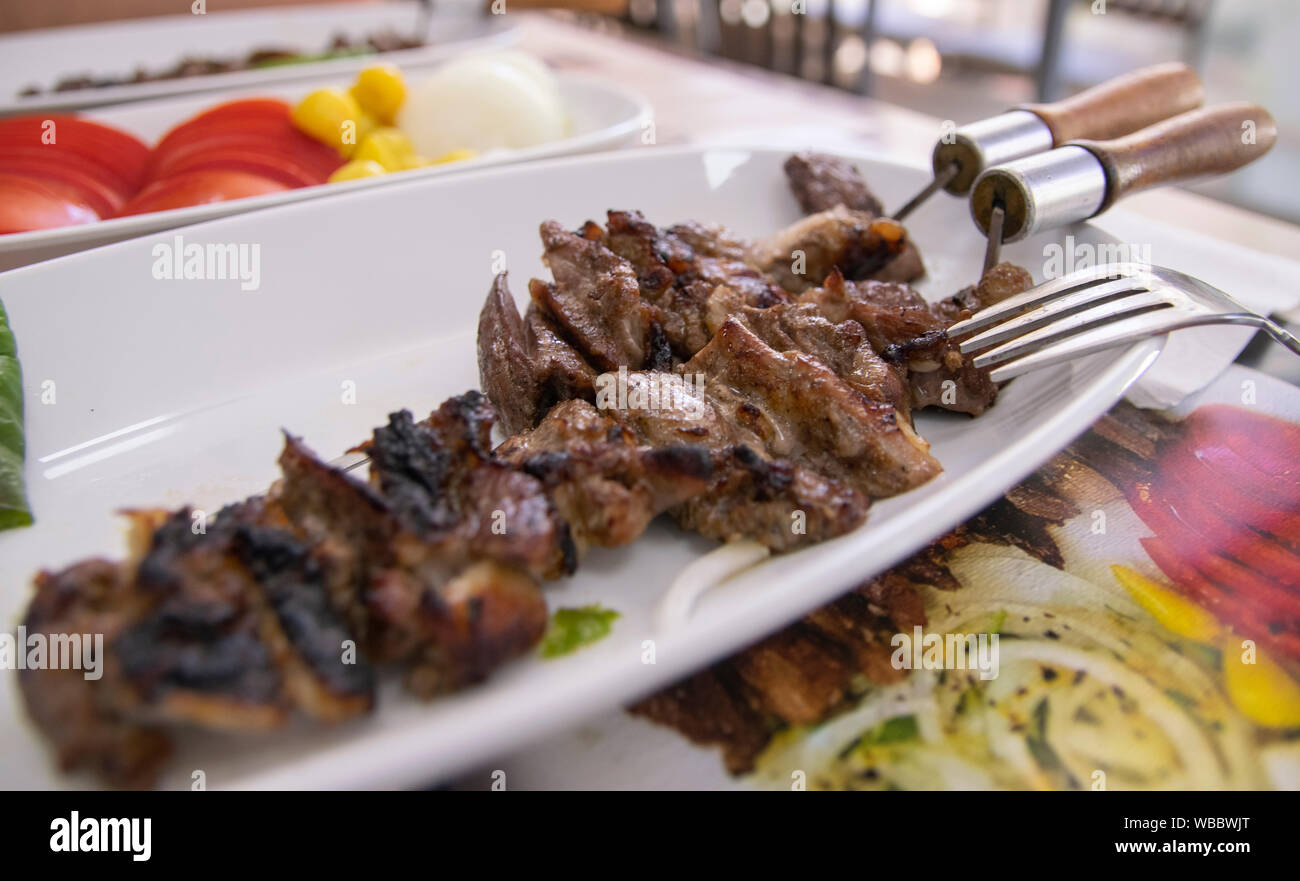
[(240, 630), (226, 628), (792, 406), (855, 243), (422, 577), (678, 268), (89, 721), (909, 333), (799, 676), (821, 182), (607, 486), (439, 476)]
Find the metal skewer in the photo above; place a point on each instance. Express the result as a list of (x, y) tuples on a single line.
[(1117, 107), (1085, 178)]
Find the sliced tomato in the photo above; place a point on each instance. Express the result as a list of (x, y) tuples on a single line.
[(311, 166), (277, 168), (86, 186), (244, 109), (18, 159), (291, 146), (123, 154), (199, 187), (27, 204)]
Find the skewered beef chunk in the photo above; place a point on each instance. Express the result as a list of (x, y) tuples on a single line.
[(88, 721), (842, 346), (778, 503), (857, 244), (793, 406), (909, 332), (821, 181), (526, 366), (425, 578), (607, 486), (225, 627), (595, 299)]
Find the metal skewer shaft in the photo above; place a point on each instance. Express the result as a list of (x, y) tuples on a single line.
[(1117, 107)]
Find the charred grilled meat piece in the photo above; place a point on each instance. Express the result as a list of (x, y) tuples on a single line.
[(607, 486), (89, 721), (842, 346), (855, 243), (792, 406), (677, 269), (240, 630), (225, 627), (908, 332), (440, 479), (423, 576), (596, 300), (821, 181), (526, 366), (776, 502)]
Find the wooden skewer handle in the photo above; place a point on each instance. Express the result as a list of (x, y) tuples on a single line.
[(1210, 141), (1124, 104)]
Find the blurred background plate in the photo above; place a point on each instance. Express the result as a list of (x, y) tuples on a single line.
[(604, 116), (41, 58)]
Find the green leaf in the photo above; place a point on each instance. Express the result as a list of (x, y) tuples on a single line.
[(14, 510), (571, 629)]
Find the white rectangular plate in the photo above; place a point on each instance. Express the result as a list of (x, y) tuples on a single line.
[(172, 392), (42, 57), (602, 116)]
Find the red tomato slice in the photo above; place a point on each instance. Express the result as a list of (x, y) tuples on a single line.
[(245, 109), (260, 162), (199, 188), (289, 145), (27, 205), (84, 186), (121, 153), (311, 166), (19, 159)]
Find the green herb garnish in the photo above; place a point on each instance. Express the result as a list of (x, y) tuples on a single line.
[(571, 629), (13, 496)]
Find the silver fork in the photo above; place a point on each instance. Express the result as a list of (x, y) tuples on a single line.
[(1095, 309)]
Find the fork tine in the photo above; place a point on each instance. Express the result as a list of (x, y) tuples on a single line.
[(1060, 307), (1103, 314), (1105, 336), (1037, 294)]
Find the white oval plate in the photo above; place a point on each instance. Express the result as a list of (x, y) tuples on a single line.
[(172, 392), (603, 116), (42, 57)]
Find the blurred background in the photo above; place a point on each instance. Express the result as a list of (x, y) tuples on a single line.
[(951, 59)]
